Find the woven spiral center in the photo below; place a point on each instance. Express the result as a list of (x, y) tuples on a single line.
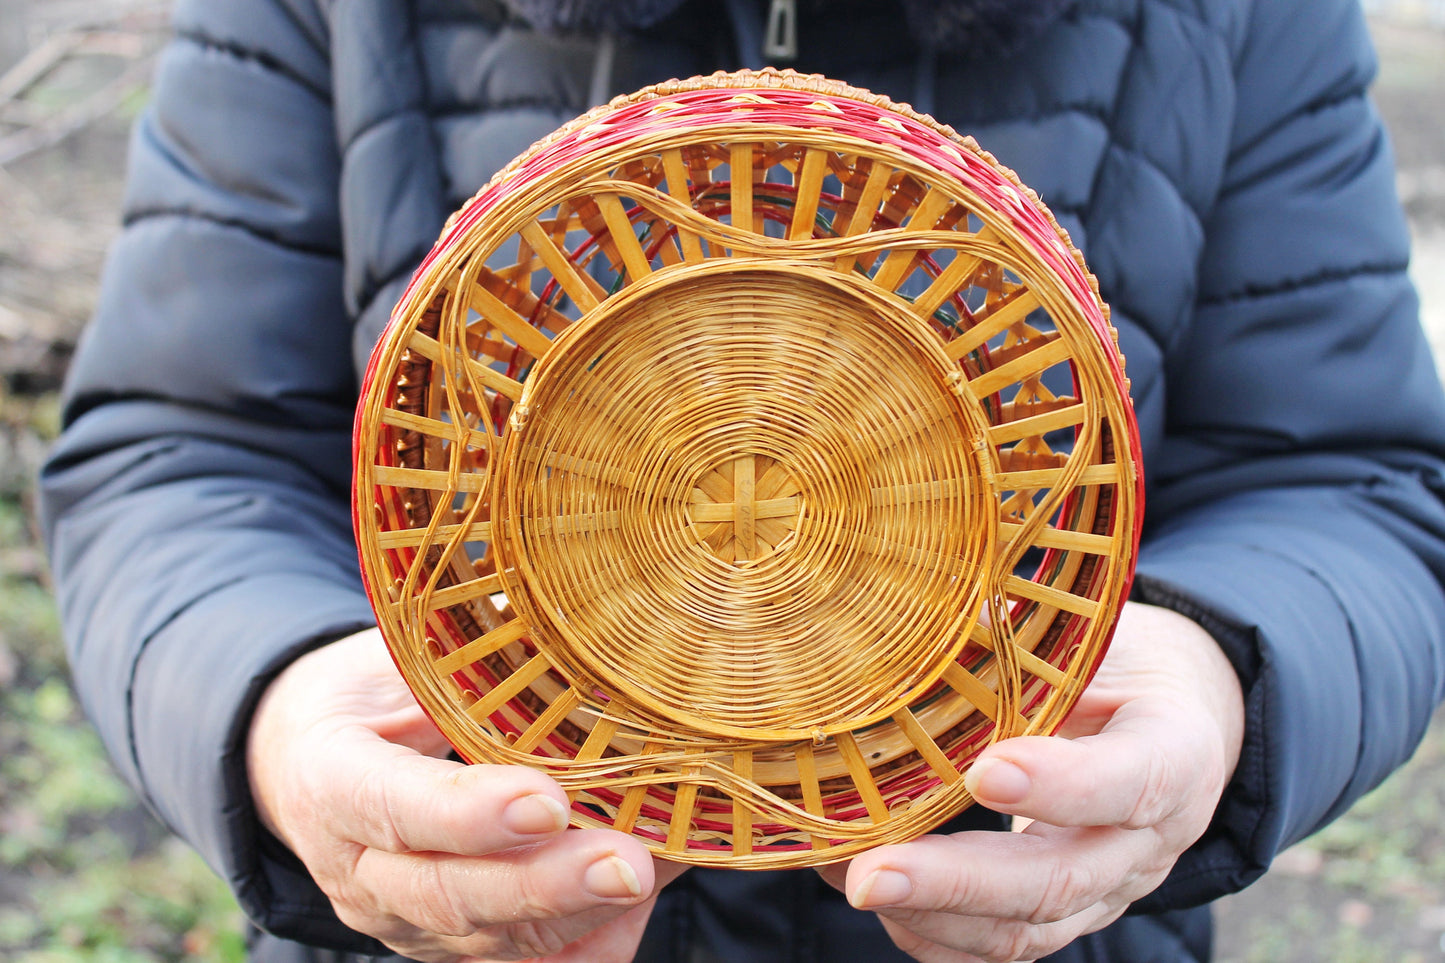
[(754, 494), (727, 502)]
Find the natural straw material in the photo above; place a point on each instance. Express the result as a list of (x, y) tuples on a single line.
[(748, 455)]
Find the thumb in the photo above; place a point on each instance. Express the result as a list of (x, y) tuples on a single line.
[(1120, 777)]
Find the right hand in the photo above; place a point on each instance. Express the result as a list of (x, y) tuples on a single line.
[(440, 861)]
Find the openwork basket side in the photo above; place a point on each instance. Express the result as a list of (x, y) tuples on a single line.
[(749, 455)]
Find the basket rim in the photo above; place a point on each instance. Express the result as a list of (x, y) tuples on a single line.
[(745, 83)]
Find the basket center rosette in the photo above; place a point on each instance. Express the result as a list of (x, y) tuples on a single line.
[(748, 455)]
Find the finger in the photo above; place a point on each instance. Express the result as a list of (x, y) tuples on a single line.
[(614, 942), (367, 685), (575, 882), (1142, 769), (835, 874), (665, 871), (608, 938), (940, 938), (390, 798), (1041, 876)]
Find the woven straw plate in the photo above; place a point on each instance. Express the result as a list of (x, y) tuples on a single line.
[(748, 455)]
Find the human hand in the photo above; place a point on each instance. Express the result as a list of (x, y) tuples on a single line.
[(441, 862), (1148, 751)]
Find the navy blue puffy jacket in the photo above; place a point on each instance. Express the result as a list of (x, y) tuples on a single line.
[(1217, 161)]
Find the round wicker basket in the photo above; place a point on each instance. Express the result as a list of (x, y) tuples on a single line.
[(748, 455)]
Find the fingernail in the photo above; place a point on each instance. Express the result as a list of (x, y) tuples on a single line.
[(534, 815), (611, 877), (999, 781), (886, 887)]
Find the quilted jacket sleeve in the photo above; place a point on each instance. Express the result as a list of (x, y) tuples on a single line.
[(1296, 505), (196, 506)]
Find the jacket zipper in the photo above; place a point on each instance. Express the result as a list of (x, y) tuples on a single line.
[(780, 40)]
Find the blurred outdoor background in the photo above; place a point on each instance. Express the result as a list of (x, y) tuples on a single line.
[(86, 874)]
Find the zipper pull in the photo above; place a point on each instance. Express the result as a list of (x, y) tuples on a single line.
[(780, 42)]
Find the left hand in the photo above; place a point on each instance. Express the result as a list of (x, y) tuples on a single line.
[(1147, 753)]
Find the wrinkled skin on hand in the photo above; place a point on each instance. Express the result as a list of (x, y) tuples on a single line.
[(445, 862), (440, 861), (1148, 751)]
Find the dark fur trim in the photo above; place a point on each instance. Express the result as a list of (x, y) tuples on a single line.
[(608, 15), (966, 27), (976, 28)]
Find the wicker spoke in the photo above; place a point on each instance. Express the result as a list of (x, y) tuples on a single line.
[(740, 172), (627, 813), (1061, 538), (590, 469), (732, 517), (584, 291), (1048, 595), (1037, 425), (742, 816), (862, 220), (507, 321), (464, 592), (430, 349), (561, 525), (624, 237), (1003, 316), (445, 430), (809, 184), (1018, 481), (568, 219), (681, 821), (953, 278), (923, 743), (479, 648), (604, 730), (1027, 661), (1030, 363), (517, 295), (546, 723), (598, 739), (525, 675), (745, 506), (972, 688), (705, 511), (812, 792), (672, 164), (899, 264), (862, 776), (417, 537), (434, 479), (978, 692), (776, 483), (943, 488)]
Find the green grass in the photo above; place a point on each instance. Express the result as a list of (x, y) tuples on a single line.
[(1369, 887), (85, 873)]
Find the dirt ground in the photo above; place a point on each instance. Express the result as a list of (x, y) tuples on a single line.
[(85, 875)]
